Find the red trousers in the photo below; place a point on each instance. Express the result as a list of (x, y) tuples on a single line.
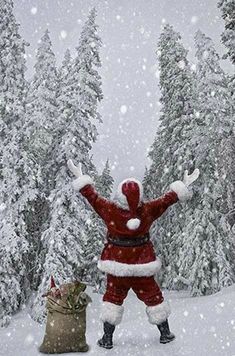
[(145, 288)]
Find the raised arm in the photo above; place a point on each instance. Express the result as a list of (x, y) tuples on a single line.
[(178, 192), (85, 185)]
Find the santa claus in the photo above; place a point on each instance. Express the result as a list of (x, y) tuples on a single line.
[(128, 257)]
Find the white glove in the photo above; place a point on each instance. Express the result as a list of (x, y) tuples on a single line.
[(81, 179), (190, 178), (77, 171)]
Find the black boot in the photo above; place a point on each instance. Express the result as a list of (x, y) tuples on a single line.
[(107, 339), (166, 335)]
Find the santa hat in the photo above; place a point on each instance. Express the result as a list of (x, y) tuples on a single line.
[(54, 291), (130, 193), (52, 283)]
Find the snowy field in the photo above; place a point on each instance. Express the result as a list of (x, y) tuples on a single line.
[(204, 326)]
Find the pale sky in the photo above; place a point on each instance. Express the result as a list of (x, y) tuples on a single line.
[(129, 30)]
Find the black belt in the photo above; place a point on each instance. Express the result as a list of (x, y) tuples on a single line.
[(127, 242)]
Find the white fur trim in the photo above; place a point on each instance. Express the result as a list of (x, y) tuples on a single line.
[(158, 313), (181, 190), (133, 224), (81, 182), (112, 313), (130, 270), (120, 198)]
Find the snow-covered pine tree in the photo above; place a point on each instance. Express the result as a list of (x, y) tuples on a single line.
[(96, 231), (227, 8), (40, 140), (65, 239), (147, 184), (172, 151), (85, 72), (105, 182), (206, 257), (42, 112), (15, 172)]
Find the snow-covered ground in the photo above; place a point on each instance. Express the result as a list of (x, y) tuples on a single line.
[(204, 326)]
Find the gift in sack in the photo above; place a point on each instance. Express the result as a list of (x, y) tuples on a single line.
[(66, 320)]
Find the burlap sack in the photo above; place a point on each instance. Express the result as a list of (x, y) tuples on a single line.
[(66, 322)]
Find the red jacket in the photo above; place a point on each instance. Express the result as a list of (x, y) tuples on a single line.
[(128, 261)]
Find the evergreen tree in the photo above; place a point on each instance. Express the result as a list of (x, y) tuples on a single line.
[(227, 8), (147, 184), (85, 73), (205, 261), (42, 112), (40, 140), (65, 239), (172, 151), (15, 172), (12, 69), (96, 232), (105, 182)]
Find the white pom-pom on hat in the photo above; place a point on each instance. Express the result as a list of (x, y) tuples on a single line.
[(133, 224)]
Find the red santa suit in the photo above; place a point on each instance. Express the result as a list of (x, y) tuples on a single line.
[(128, 256)]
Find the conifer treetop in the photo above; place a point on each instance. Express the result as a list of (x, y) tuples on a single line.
[(227, 8)]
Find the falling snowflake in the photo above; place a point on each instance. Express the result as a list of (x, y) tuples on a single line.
[(142, 30), (123, 109), (29, 339), (34, 10), (194, 19)]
